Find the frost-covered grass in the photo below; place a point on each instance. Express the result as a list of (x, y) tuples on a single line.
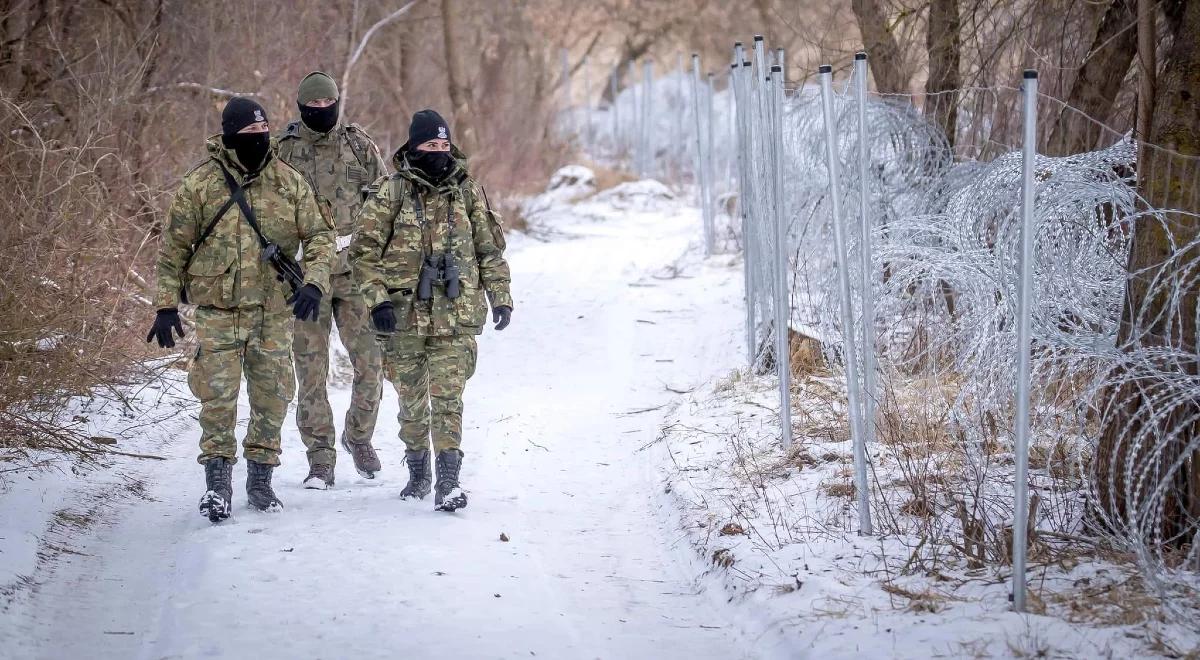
[(777, 530)]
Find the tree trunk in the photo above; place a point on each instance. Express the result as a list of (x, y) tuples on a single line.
[(887, 63), (1098, 82), (456, 77), (1147, 36), (1160, 310), (944, 47)]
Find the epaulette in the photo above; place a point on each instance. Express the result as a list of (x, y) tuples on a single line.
[(197, 166)]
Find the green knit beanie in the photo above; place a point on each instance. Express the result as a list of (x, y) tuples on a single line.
[(316, 85)]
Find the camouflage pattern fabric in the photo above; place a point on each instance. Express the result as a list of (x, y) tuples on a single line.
[(429, 374), (232, 342), (314, 417), (433, 353), (243, 321), (341, 165), (226, 270), (392, 241)]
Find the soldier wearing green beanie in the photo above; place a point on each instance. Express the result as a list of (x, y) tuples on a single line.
[(341, 161)]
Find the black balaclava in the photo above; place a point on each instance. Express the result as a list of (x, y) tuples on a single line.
[(428, 125), (251, 148), (321, 120)]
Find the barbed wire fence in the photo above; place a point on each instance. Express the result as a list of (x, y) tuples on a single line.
[(1027, 321)]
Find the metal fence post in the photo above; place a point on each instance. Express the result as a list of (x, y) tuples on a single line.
[(566, 90), (709, 162), (783, 306), (635, 123), (587, 105), (843, 267), (870, 376), (738, 72), (647, 135), (616, 109), (702, 155), (1024, 330)]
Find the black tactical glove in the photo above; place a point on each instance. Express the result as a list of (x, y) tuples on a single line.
[(384, 317), (306, 302), (502, 315), (164, 321)]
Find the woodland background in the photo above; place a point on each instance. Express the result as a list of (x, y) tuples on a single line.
[(104, 104)]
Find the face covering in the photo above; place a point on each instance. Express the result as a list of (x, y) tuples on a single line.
[(251, 148), (321, 120), (434, 164)]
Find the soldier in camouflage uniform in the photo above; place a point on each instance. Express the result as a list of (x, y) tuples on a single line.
[(427, 221), (340, 161), (211, 257)]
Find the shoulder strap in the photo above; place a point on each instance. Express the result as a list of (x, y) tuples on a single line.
[(208, 230), (237, 194), (392, 224), (356, 146)]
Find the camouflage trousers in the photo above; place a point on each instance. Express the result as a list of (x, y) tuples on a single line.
[(250, 341), (314, 417), (429, 374)]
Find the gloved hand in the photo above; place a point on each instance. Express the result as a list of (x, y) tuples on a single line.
[(502, 315), (384, 317), (164, 321), (306, 302)]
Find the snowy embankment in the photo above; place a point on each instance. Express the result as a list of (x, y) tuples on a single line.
[(562, 552), (775, 530)]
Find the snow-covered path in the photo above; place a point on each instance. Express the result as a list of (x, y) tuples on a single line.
[(560, 405)]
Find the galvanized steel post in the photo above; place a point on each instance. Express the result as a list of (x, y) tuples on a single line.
[(1024, 330), (843, 267)]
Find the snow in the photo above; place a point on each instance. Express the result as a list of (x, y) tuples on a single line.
[(628, 499), (555, 416)]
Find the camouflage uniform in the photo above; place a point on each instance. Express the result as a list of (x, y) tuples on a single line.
[(432, 353), (243, 322), (340, 164)]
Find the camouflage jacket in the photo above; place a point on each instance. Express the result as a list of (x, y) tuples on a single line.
[(227, 270), (408, 218), (341, 165)]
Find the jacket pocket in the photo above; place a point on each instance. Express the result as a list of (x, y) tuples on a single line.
[(210, 277), (403, 299)]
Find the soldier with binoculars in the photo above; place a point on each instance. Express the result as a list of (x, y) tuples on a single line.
[(427, 252)]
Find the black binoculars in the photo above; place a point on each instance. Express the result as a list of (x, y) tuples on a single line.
[(438, 269)]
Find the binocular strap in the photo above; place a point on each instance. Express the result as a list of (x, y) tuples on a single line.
[(419, 209)]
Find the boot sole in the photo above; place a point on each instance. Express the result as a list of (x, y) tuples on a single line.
[(214, 507), (316, 483), (454, 503)]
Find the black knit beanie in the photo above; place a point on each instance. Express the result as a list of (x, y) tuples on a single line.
[(427, 125), (239, 113)]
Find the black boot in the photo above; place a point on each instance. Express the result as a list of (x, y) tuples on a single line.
[(258, 487), (418, 475), (448, 495), (218, 495)]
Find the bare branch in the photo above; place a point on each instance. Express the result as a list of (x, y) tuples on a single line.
[(362, 44), (197, 87)]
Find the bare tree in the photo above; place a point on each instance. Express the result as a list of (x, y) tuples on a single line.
[(1160, 309), (944, 48), (887, 61), (1098, 82), (456, 78)]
